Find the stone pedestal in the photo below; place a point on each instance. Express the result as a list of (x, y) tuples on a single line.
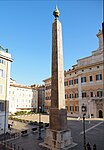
[(58, 119), (58, 136), (58, 140)]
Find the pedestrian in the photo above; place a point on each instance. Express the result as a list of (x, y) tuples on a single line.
[(94, 147), (88, 146)]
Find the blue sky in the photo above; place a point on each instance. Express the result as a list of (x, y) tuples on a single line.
[(26, 30)]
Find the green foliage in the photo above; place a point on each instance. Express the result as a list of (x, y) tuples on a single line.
[(30, 112), (21, 113)]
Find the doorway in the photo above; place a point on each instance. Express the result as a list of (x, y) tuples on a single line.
[(100, 114)]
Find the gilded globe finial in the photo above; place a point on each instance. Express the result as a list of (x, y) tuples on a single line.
[(56, 12)]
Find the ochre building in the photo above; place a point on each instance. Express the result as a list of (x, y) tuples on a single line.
[(84, 85)]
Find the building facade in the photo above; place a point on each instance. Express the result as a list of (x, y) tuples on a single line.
[(22, 98), (5, 61), (41, 98), (84, 85)]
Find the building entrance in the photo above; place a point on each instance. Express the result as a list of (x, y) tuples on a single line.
[(100, 114)]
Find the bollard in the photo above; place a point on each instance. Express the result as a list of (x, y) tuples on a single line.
[(94, 147), (7, 143), (88, 146), (22, 148), (4, 143), (14, 135), (18, 134), (10, 145), (14, 147), (18, 147)]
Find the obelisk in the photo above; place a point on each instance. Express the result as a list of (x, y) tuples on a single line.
[(58, 113), (58, 136)]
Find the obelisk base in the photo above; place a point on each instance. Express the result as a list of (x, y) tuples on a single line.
[(58, 119), (58, 140), (58, 135)]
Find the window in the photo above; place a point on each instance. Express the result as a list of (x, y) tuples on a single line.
[(76, 108), (2, 73), (66, 107), (75, 81), (99, 77), (2, 61), (1, 89), (99, 93), (83, 79), (1, 106), (71, 95), (83, 94), (12, 98), (71, 108), (66, 96), (66, 83), (91, 94), (71, 82), (76, 95), (90, 78)]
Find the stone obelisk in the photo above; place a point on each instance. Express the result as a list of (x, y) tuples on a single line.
[(58, 136), (58, 113)]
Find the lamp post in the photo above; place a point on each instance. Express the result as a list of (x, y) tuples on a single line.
[(39, 138), (89, 113), (84, 109)]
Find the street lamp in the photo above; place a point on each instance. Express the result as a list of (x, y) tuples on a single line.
[(84, 109), (89, 113), (39, 138)]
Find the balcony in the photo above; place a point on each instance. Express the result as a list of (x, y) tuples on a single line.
[(98, 98)]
